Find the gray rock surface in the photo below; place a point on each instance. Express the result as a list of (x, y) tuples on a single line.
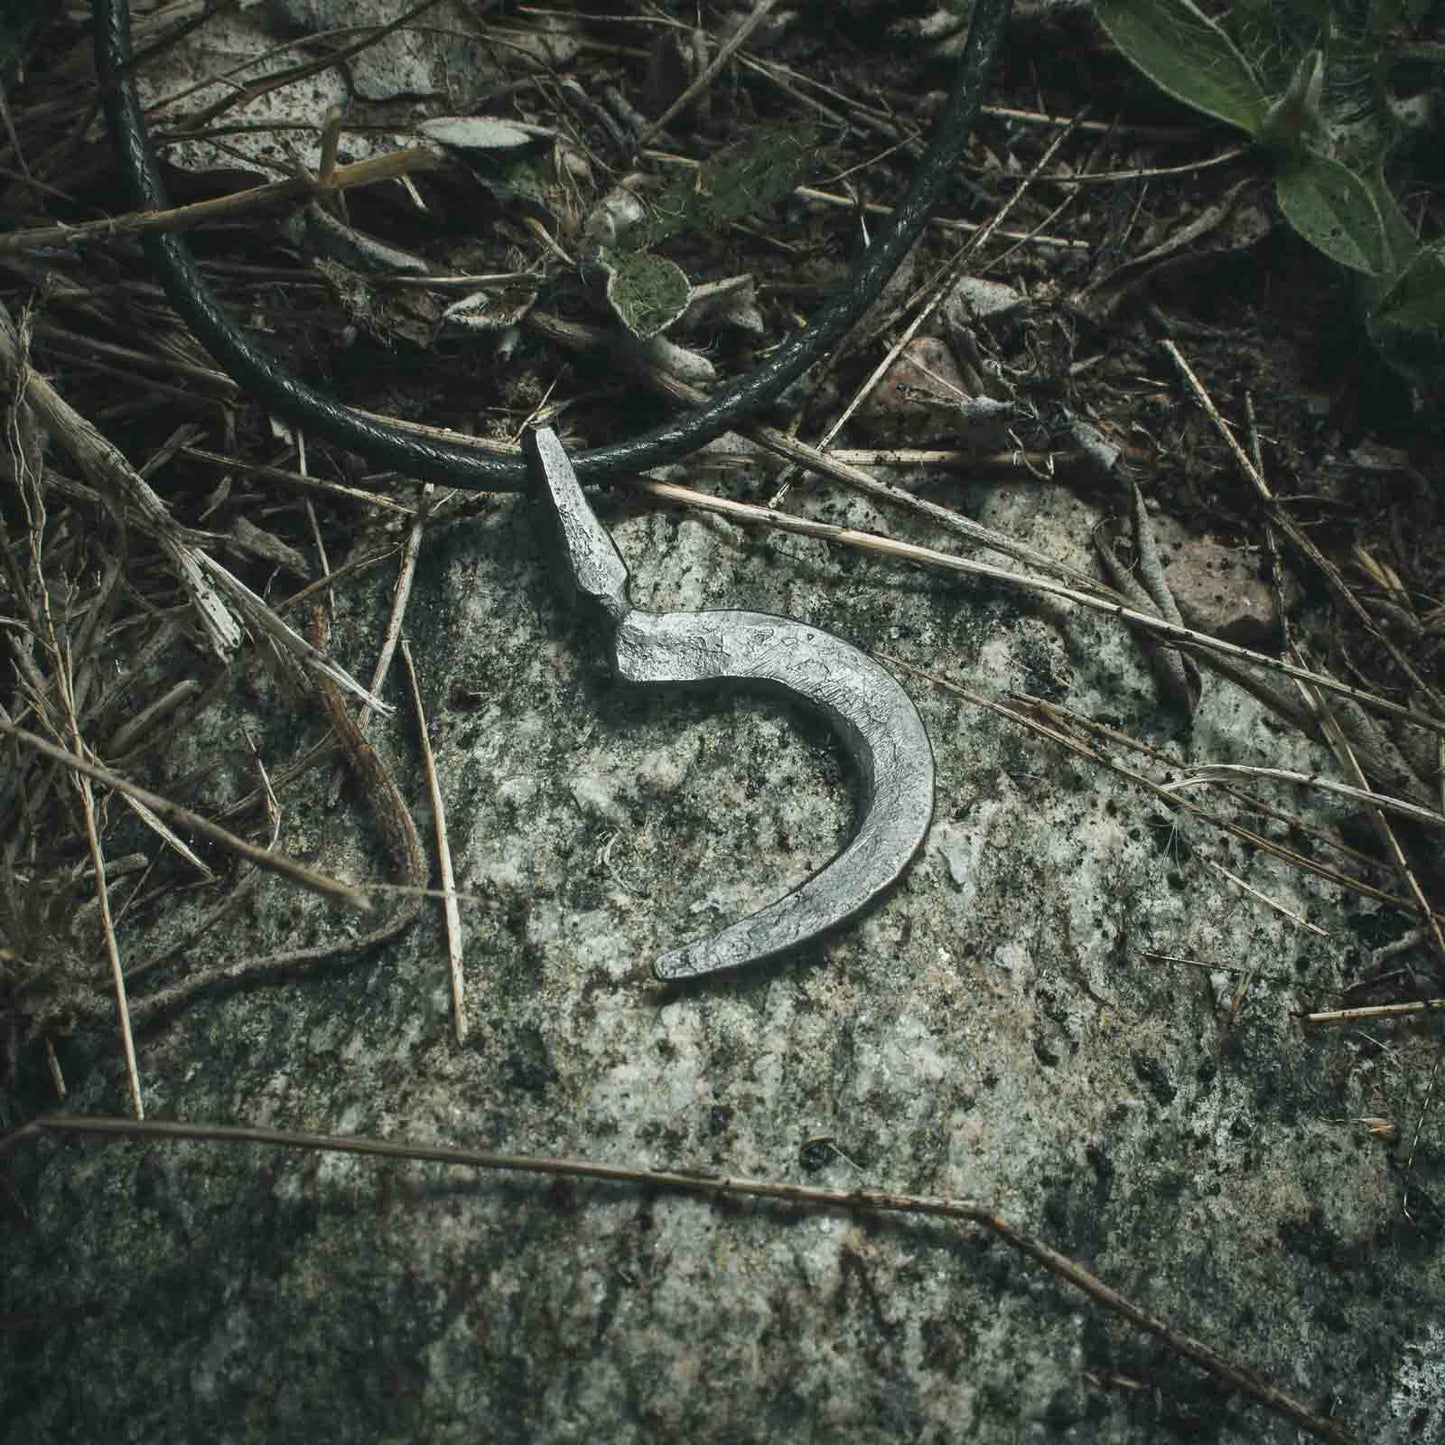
[(1041, 1018)]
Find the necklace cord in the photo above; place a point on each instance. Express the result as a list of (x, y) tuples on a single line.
[(261, 375)]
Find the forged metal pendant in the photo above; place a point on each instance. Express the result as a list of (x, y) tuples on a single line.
[(873, 717)]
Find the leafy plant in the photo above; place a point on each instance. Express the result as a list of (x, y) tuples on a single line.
[(648, 292), (740, 181), (1329, 183)]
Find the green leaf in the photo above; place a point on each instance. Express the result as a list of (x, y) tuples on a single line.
[(1187, 55), (1401, 249), (1405, 306), (1401, 243), (1295, 116), (739, 181), (647, 292), (1416, 302), (1331, 207)]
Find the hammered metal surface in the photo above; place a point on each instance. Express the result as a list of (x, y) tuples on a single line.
[(875, 720)]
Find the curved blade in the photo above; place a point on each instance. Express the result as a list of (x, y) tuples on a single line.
[(874, 718)]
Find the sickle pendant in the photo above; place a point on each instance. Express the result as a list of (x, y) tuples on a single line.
[(873, 717)]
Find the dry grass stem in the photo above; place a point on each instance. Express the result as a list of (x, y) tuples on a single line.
[(939, 223), (1373, 1013), (1264, 898), (403, 844), (1057, 734), (102, 893), (711, 1186), (450, 911), (1144, 173), (327, 582), (216, 381), (882, 546), (1219, 772), (145, 719), (400, 596), (132, 496), (951, 459), (1346, 755), (297, 479), (1332, 575), (725, 52), (239, 204), (265, 619), (167, 835), (183, 817)]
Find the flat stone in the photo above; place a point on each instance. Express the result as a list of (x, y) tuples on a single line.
[(1028, 1021), (976, 298), (924, 394), (1219, 588)]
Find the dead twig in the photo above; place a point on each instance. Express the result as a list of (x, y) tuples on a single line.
[(712, 1186), (726, 50), (183, 817), (389, 167), (1371, 1013), (947, 561), (1332, 575), (444, 856)]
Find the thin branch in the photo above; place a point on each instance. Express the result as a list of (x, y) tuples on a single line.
[(183, 817), (930, 557), (1219, 772), (389, 167), (725, 53), (444, 856), (705, 1186)]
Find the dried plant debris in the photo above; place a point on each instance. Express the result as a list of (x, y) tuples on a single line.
[(261, 79)]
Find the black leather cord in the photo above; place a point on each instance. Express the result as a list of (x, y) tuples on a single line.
[(264, 378)]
